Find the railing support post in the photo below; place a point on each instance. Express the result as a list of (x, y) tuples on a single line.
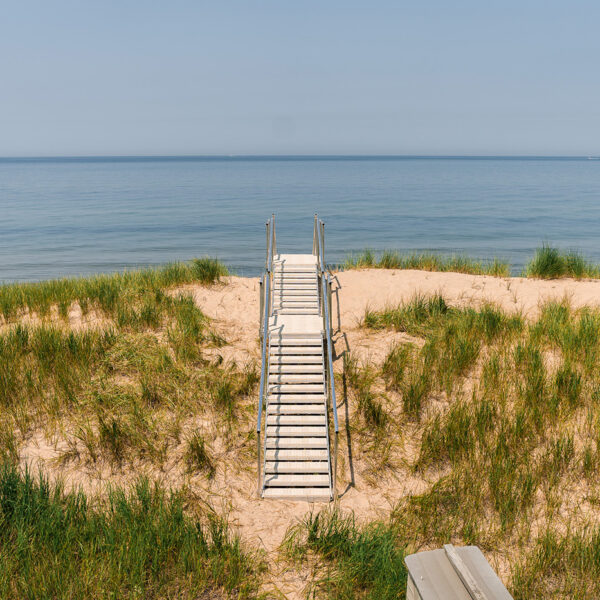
[(261, 284), (265, 313), (267, 227), (329, 295), (274, 242), (335, 461), (258, 490)]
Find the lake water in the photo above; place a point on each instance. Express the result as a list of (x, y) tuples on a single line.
[(78, 216)]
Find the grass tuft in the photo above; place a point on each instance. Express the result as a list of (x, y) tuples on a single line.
[(197, 455), (140, 545), (550, 262), (358, 561), (121, 295), (426, 262)]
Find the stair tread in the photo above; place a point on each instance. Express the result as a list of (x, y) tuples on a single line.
[(296, 420), (274, 431), (298, 494), (303, 466), (296, 479), (304, 443), (278, 398), (295, 454), (275, 369), (308, 339), (290, 388), (296, 351), (292, 409), (293, 359), (275, 378)]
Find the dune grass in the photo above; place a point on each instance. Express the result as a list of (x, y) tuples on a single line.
[(552, 263), (108, 293), (140, 390), (426, 262), (126, 388), (499, 418), (548, 262), (139, 544), (350, 561)]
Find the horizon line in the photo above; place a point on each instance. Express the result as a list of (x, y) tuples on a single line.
[(298, 156)]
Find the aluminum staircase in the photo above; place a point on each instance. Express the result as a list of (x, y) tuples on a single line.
[(296, 376)]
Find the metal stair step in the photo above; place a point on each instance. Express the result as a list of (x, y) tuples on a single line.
[(292, 378), (285, 455), (298, 494), (284, 368), (303, 466), (292, 388), (302, 443), (296, 350), (303, 420), (295, 311), (305, 340), (291, 359), (294, 398), (296, 431), (296, 294), (297, 300), (296, 480), (292, 409), (296, 304)]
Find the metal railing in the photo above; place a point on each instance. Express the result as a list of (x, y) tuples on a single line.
[(266, 295), (325, 292)]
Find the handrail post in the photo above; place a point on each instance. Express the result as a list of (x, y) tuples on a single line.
[(259, 487), (274, 242), (323, 266), (267, 227), (265, 325), (261, 284), (315, 245), (329, 295), (335, 461)]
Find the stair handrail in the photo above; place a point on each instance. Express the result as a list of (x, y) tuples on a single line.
[(325, 301), (325, 283), (265, 334)]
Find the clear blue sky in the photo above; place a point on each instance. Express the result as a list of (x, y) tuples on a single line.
[(303, 76)]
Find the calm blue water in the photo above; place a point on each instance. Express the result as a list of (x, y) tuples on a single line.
[(78, 216)]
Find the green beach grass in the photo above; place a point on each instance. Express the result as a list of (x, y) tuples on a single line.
[(552, 263), (425, 262), (548, 262), (502, 418), (131, 392), (139, 543), (106, 292)]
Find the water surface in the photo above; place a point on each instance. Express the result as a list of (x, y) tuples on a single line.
[(85, 215)]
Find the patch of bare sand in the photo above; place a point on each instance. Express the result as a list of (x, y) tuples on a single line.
[(75, 319), (234, 308)]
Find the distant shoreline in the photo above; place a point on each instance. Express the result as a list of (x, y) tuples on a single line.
[(289, 157)]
